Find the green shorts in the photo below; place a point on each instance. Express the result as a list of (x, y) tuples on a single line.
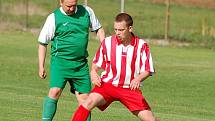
[(75, 72)]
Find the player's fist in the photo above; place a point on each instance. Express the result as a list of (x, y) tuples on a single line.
[(135, 84), (42, 73)]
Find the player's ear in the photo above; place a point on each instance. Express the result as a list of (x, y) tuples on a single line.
[(130, 28)]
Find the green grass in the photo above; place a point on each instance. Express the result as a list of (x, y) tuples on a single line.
[(181, 90)]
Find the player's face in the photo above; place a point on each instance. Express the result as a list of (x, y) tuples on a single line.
[(69, 6), (122, 30)]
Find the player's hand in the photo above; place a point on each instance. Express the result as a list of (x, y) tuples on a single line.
[(95, 78), (42, 73), (135, 84)]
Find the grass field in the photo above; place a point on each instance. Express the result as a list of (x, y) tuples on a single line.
[(181, 90)]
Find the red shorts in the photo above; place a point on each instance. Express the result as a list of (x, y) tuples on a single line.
[(133, 100)]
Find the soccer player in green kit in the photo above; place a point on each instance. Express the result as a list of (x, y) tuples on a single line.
[(67, 29)]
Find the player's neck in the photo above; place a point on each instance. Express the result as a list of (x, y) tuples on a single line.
[(127, 40)]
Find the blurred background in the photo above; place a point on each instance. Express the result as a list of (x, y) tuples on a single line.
[(190, 21)]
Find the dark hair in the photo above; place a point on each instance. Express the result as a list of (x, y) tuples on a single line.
[(124, 17)]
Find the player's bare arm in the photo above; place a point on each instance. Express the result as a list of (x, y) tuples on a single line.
[(95, 78), (42, 55), (135, 83), (100, 34)]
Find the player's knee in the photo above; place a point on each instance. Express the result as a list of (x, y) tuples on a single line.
[(144, 115), (54, 93), (89, 103), (81, 98)]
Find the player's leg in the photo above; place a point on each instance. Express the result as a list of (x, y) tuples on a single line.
[(80, 83), (50, 104), (81, 98), (144, 115), (93, 100), (57, 84), (97, 97), (136, 103)]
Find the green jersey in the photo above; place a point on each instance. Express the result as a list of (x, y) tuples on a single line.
[(71, 35)]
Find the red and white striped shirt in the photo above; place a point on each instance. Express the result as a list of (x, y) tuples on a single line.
[(121, 63)]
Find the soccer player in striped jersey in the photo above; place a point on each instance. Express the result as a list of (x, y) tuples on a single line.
[(127, 62), (67, 29)]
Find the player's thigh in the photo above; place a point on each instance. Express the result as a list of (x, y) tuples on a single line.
[(133, 99), (81, 80), (57, 74), (57, 81)]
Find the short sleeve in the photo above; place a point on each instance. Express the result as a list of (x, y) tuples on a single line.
[(95, 25), (100, 58), (146, 60), (48, 30)]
